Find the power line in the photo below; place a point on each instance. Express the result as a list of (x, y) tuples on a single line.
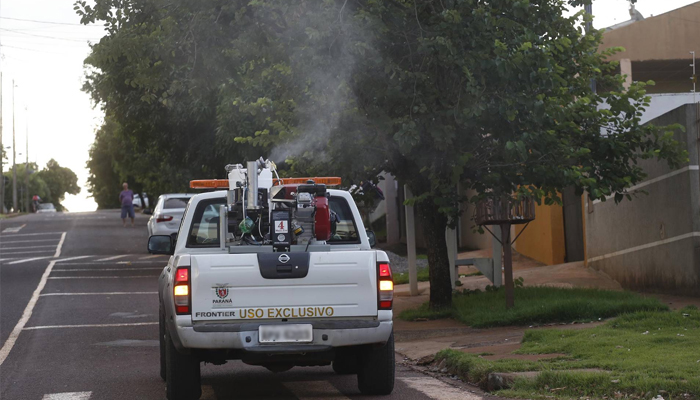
[(44, 36), (42, 22), (24, 48), (31, 42)]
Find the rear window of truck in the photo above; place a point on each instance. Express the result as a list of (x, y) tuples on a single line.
[(204, 230), (345, 227)]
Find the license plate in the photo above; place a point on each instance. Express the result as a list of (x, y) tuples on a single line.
[(299, 333)]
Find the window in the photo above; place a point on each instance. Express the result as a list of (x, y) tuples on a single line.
[(204, 231), (182, 220), (345, 228), (175, 202)]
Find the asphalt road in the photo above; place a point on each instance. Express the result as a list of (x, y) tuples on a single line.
[(78, 321)]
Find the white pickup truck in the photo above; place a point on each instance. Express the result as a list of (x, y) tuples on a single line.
[(282, 279)]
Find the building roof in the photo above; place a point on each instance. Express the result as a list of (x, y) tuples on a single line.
[(669, 36), (634, 17)]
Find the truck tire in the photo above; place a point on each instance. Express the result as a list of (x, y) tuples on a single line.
[(161, 339), (345, 362), (377, 369), (183, 380)]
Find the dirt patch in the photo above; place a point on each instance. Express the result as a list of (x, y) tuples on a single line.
[(447, 334), (524, 357), (675, 302)]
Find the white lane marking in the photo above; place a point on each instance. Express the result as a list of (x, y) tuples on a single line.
[(72, 258), (28, 252), (161, 262), (60, 245), (34, 234), (437, 389), (34, 328), (111, 258), (207, 393), (68, 396), (151, 256), (103, 277), (30, 241), (317, 390), (97, 294), (26, 247), (108, 269), (10, 342), (141, 262), (26, 260), (14, 229)]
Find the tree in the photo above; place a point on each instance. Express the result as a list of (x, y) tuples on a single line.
[(59, 182), (37, 186), (493, 96), (496, 96)]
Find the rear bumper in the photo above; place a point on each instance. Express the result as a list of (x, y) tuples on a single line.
[(244, 337), (161, 229)]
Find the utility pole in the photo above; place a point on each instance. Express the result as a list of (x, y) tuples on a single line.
[(2, 147), (26, 165), (2, 151), (589, 26), (694, 78), (14, 153)]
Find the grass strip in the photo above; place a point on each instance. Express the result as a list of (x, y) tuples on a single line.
[(537, 305), (644, 354), (424, 276), (402, 278)]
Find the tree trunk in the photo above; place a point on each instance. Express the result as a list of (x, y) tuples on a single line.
[(508, 266), (434, 224)]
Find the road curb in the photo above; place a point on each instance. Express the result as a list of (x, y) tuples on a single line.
[(410, 335)]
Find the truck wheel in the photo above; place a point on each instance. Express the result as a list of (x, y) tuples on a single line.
[(377, 368), (183, 381), (161, 334), (345, 362)]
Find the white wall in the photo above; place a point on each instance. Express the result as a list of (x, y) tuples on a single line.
[(664, 102)]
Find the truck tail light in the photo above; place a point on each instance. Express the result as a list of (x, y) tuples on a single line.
[(163, 218), (385, 286), (181, 291)]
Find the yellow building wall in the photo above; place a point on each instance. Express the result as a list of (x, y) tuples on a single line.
[(543, 240)]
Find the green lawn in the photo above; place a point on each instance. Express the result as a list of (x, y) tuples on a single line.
[(537, 305), (644, 353), (402, 278), (423, 276)]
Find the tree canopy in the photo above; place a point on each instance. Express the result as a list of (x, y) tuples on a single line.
[(51, 184), (493, 96)]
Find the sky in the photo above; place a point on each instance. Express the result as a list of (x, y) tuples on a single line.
[(44, 56)]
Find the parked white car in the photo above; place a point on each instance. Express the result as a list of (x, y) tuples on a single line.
[(137, 200), (46, 208), (168, 213)]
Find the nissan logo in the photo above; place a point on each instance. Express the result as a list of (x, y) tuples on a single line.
[(283, 258)]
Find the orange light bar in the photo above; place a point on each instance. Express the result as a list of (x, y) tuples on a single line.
[(329, 181), (209, 184)]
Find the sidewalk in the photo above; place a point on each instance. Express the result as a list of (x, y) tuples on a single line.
[(421, 340)]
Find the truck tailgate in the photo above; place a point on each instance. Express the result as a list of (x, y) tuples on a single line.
[(232, 286)]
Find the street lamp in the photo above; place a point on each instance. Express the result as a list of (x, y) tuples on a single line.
[(14, 153)]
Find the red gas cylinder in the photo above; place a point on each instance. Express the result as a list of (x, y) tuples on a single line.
[(323, 218)]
